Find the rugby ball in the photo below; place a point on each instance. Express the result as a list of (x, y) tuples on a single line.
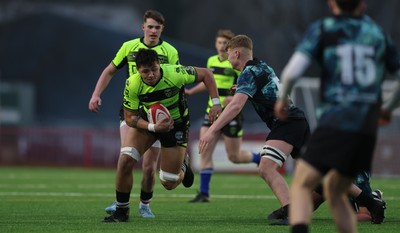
[(157, 112)]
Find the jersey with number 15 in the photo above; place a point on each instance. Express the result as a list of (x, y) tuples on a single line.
[(354, 53)]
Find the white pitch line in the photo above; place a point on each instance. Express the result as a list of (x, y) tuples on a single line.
[(55, 194), (217, 196)]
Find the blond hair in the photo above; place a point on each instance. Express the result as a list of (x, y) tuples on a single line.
[(240, 41)]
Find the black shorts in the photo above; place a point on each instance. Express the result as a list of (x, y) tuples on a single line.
[(178, 136), (234, 129), (293, 131), (348, 152)]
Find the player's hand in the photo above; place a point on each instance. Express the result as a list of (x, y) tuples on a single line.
[(215, 111), (164, 126), (281, 109), (95, 103), (205, 140), (384, 118), (187, 92), (233, 89)]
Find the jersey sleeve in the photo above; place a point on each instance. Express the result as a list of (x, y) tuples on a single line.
[(190, 74), (246, 83), (209, 62), (311, 41), (120, 58), (174, 57), (131, 100)]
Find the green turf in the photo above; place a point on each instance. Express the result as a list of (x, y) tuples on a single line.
[(73, 200)]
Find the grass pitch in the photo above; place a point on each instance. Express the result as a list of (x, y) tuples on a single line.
[(73, 200)]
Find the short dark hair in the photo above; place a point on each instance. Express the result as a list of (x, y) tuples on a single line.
[(146, 57), (153, 14), (348, 5)]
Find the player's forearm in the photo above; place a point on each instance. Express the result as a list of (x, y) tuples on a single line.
[(102, 83), (200, 87), (230, 112), (292, 71), (211, 86)]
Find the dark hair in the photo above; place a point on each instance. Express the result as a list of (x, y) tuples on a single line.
[(153, 14), (146, 57), (348, 5)]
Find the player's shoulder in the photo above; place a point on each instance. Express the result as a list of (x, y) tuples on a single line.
[(213, 59), (132, 42), (167, 46), (175, 70), (133, 80), (170, 68)]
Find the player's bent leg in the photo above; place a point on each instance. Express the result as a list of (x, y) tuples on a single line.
[(206, 169), (123, 130), (336, 187), (149, 167), (124, 182), (232, 148), (268, 170), (172, 165), (169, 180), (305, 179), (134, 145)]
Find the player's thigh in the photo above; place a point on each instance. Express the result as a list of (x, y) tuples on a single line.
[(150, 157), (171, 159), (139, 139), (335, 183), (232, 145), (306, 175), (123, 130)]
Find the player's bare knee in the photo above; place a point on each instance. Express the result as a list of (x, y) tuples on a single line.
[(125, 161), (169, 185), (234, 158), (169, 180), (131, 152), (273, 154), (271, 160)]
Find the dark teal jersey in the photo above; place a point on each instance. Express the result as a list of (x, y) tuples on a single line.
[(354, 53), (259, 82)]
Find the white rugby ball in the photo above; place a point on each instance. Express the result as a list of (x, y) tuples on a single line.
[(157, 112)]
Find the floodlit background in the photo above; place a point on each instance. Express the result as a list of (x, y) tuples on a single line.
[(52, 53)]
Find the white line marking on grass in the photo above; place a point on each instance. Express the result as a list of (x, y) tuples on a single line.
[(217, 196), (61, 194)]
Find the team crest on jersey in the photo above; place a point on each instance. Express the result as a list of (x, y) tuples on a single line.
[(179, 137), (168, 93), (186, 69), (189, 70)]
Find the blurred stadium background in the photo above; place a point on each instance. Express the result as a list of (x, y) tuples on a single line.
[(52, 53)]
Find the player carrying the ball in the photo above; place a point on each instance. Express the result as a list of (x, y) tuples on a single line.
[(155, 83)]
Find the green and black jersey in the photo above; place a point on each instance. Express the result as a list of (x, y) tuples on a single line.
[(225, 76), (126, 54), (168, 91)]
